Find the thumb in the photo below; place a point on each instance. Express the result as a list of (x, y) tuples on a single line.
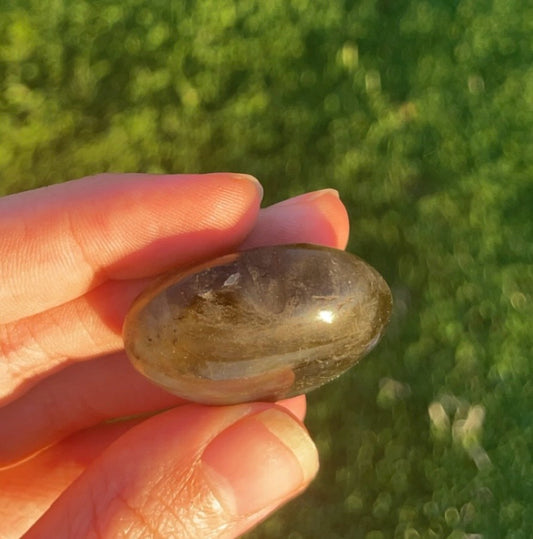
[(194, 471)]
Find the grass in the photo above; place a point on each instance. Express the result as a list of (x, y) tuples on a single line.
[(420, 114)]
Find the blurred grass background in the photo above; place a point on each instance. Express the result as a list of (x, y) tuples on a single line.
[(420, 113)]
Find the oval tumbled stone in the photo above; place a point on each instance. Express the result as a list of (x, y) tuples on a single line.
[(263, 324)]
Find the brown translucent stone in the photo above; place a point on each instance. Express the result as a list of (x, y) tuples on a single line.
[(263, 324)]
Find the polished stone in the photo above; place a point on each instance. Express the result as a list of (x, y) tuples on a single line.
[(263, 324)]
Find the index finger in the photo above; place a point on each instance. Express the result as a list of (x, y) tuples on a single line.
[(58, 242)]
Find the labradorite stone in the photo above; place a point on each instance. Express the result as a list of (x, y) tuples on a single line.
[(263, 324)]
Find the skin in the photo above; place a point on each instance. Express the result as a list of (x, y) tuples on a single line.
[(72, 259)]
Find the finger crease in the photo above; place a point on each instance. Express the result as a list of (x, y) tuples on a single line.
[(80, 245)]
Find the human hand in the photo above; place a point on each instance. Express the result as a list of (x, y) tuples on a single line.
[(72, 259)]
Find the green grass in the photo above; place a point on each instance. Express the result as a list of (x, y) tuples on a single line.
[(420, 114)]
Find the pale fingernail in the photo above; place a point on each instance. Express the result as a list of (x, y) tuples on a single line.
[(251, 179), (240, 178), (259, 462), (309, 197)]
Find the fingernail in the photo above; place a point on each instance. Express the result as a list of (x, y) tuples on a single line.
[(308, 197), (251, 179), (240, 178), (259, 462)]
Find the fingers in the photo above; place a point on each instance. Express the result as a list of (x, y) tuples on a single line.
[(194, 471), (79, 234), (28, 489), (80, 397), (40, 345), (318, 217), (90, 325), (93, 391), (322, 219), (76, 398)]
